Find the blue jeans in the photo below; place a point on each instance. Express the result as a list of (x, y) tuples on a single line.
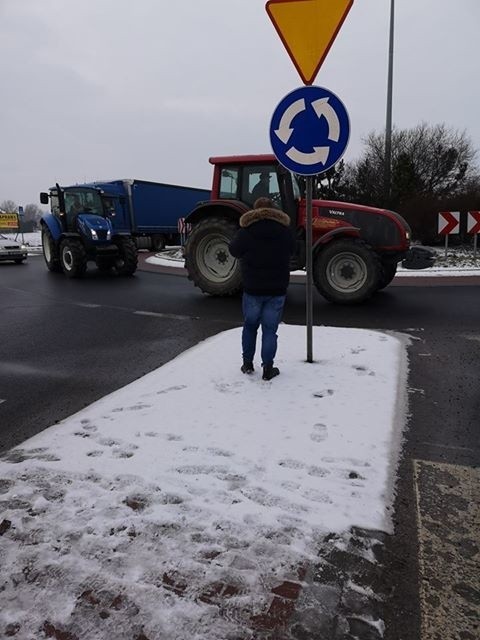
[(267, 312)]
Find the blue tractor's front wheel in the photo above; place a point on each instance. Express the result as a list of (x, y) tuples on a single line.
[(73, 258)]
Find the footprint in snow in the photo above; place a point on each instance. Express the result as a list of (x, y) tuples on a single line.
[(201, 469), (353, 475), (266, 499), (316, 496), (118, 453), (323, 393), (176, 388), (87, 426), (363, 369), (219, 452), (291, 464), (232, 387), (290, 486), (320, 432), (134, 407), (318, 472), (173, 437), (5, 485), (108, 442)]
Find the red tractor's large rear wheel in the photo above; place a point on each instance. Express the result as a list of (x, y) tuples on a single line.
[(347, 271), (208, 261)]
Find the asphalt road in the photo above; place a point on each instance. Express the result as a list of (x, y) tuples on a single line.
[(66, 343)]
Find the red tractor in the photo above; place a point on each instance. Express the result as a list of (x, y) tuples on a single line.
[(356, 249)]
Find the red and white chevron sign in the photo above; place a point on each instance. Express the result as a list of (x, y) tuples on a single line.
[(448, 222), (473, 222)]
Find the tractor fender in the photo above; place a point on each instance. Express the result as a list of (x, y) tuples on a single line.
[(351, 232), (53, 225), (230, 209)]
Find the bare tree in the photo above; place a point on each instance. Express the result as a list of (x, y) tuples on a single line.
[(9, 206), (333, 184), (32, 212), (427, 161)]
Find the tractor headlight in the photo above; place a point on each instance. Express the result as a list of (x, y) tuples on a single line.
[(94, 234), (109, 234)]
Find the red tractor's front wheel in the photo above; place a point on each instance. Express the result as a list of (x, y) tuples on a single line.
[(347, 271)]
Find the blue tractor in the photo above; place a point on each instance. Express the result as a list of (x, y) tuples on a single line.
[(80, 228)]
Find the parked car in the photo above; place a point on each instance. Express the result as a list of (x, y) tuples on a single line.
[(11, 250)]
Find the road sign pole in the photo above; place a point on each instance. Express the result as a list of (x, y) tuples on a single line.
[(446, 244), (309, 292), (475, 246), (388, 125)]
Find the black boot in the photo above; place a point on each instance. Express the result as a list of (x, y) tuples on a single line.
[(270, 372), (247, 366)]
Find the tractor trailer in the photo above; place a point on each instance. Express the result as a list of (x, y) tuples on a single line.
[(106, 222), (356, 249)]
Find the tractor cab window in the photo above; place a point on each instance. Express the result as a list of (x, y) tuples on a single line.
[(261, 182), (229, 183), (54, 203), (82, 201)]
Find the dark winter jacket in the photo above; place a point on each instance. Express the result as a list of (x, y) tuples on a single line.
[(264, 244)]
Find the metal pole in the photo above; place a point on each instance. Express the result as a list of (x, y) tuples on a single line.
[(387, 179), (309, 292), (446, 245)]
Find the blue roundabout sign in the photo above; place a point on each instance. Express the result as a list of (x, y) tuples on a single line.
[(309, 130)]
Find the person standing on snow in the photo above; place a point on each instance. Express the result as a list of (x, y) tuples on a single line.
[(263, 244)]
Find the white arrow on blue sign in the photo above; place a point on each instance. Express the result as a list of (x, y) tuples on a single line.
[(309, 130)]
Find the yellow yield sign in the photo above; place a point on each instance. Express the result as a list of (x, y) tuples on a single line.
[(308, 28)]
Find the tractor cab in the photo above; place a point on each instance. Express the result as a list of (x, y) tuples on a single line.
[(247, 178), (81, 210)]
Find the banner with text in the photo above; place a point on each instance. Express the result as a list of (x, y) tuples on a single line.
[(9, 222)]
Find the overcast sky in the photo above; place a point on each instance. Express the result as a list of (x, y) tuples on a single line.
[(103, 89)]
